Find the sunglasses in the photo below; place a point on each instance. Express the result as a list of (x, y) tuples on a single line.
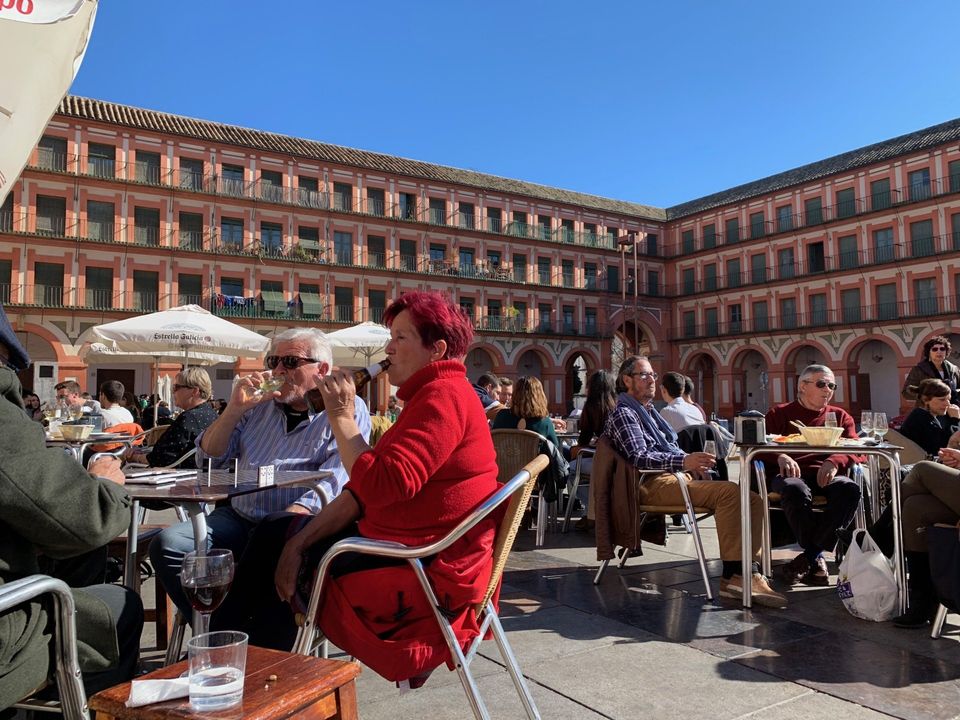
[(938, 348), (290, 362), (823, 384), (181, 387)]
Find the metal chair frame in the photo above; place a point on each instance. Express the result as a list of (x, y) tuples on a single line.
[(73, 698), (309, 636), (573, 485)]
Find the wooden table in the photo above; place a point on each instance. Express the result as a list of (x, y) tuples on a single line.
[(305, 687)]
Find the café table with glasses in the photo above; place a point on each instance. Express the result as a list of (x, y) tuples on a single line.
[(77, 447), (748, 452)]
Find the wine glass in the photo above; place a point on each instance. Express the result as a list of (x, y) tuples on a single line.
[(710, 447), (76, 411), (206, 578), (270, 384), (880, 426), (866, 422), (50, 411), (830, 419)]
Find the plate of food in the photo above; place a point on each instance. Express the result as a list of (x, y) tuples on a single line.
[(788, 439)]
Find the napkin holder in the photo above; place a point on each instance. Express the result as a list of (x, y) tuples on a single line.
[(750, 428)]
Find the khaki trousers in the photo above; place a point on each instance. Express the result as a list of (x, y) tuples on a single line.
[(720, 496)]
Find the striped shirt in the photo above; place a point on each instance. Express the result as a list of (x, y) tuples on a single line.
[(261, 438), (630, 438)]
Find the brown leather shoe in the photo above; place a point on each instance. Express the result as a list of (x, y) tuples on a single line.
[(795, 570), (817, 575)]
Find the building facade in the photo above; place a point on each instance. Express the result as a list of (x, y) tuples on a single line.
[(849, 261)]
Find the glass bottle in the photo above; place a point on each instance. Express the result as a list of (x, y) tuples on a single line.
[(360, 378)]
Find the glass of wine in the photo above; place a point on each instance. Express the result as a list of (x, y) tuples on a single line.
[(50, 411), (830, 419), (880, 426), (866, 422), (76, 411), (270, 384), (206, 579), (710, 447)]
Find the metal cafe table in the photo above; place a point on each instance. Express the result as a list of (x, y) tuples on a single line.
[(884, 450)]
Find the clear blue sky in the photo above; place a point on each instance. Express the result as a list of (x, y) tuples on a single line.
[(652, 102)]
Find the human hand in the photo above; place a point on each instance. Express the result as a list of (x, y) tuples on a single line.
[(788, 466), (953, 411), (246, 392), (950, 457), (288, 570), (107, 467), (826, 474), (698, 463), (338, 391), (559, 424), (954, 441)]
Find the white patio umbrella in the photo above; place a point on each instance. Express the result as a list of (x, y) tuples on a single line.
[(360, 344)]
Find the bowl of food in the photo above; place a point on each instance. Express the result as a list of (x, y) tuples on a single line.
[(821, 435), (74, 433)]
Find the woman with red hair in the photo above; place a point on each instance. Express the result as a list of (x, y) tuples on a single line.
[(425, 475)]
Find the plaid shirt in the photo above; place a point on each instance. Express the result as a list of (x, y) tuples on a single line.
[(629, 438)]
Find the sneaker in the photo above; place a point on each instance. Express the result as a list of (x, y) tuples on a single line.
[(796, 569), (817, 575), (760, 591)]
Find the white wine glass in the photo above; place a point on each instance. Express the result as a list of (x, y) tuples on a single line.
[(866, 422), (76, 411), (206, 579), (710, 447), (830, 419), (269, 383), (880, 426)]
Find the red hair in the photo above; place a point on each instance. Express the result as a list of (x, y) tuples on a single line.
[(435, 317)]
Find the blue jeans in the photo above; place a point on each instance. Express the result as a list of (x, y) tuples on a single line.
[(225, 529)]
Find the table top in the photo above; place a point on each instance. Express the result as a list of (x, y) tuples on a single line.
[(221, 486), (102, 437), (851, 447), (300, 681)]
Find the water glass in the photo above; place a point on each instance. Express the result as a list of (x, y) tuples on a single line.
[(830, 419), (217, 664), (866, 422)]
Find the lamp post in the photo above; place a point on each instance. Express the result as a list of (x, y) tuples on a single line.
[(631, 239)]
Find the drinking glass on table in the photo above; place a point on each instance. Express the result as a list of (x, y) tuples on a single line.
[(206, 578), (830, 419), (76, 411), (217, 664), (50, 410), (866, 422), (710, 447), (880, 426)]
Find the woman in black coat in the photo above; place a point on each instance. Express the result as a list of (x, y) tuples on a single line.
[(934, 365), (931, 423)]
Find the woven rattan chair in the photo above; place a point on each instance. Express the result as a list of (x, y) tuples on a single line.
[(515, 448), (516, 492)]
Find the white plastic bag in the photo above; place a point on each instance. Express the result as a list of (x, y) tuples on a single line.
[(866, 583)]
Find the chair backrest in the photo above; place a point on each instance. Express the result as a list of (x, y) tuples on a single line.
[(154, 434), (911, 453), (514, 448), (133, 429), (510, 522)]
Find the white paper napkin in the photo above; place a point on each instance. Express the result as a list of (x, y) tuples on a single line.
[(145, 692)]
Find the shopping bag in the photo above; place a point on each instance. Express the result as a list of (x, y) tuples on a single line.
[(944, 544), (866, 583)]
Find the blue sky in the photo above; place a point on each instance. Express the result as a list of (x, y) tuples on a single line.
[(656, 103)]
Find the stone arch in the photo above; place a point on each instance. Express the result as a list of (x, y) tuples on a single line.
[(702, 368), (482, 359), (874, 376), (796, 357), (751, 381), (578, 366)]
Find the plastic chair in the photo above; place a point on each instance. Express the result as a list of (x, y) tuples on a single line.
[(517, 492), (515, 448), (73, 698)]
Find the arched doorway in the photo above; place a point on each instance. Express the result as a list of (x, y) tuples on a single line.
[(703, 372), (797, 360), (874, 379), (478, 362), (751, 387), (578, 369)]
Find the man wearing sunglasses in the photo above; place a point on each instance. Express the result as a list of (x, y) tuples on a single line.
[(799, 477), (278, 428)]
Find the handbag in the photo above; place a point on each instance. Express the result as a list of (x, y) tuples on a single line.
[(943, 542), (866, 583)]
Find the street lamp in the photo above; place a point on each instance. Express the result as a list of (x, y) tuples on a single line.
[(631, 239)]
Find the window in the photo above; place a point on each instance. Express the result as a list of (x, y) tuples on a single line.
[(438, 211), (189, 289), (784, 218), (788, 313), (918, 185), (271, 238), (52, 153), (545, 222), (953, 172), (543, 270), (887, 301), (272, 298), (760, 314), (48, 284), (519, 268), (816, 262), (271, 186), (51, 215), (846, 203), (880, 194), (733, 273), (612, 234), (101, 160), (813, 211), (709, 236), (467, 217), (468, 307), (408, 255), (613, 278), (146, 290), (377, 302), (687, 242), (466, 261), (100, 220), (408, 206), (711, 325), (438, 257), (689, 281), (653, 283), (376, 202), (590, 321), (590, 276), (519, 226), (191, 231), (311, 305), (544, 311), (148, 167), (689, 322), (146, 226), (232, 287), (883, 245), (343, 248), (955, 230), (494, 219), (308, 192), (99, 292), (566, 273), (590, 234), (849, 256), (710, 276), (6, 214), (494, 315), (758, 268), (735, 316), (786, 264), (232, 180), (376, 251), (818, 309), (925, 296), (343, 196), (191, 174), (758, 225), (569, 326), (653, 247), (732, 229), (566, 231), (343, 305), (850, 305), (921, 238), (231, 234), (308, 240)]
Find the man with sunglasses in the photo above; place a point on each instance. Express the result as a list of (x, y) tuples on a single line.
[(279, 428), (799, 477)]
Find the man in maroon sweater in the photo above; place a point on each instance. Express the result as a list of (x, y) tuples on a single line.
[(799, 477)]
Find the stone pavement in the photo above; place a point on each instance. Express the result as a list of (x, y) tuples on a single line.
[(646, 642)]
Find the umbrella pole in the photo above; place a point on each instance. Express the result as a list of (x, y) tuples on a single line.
[(156, 385)]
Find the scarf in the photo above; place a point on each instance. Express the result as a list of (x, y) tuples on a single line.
[(654, 426)]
